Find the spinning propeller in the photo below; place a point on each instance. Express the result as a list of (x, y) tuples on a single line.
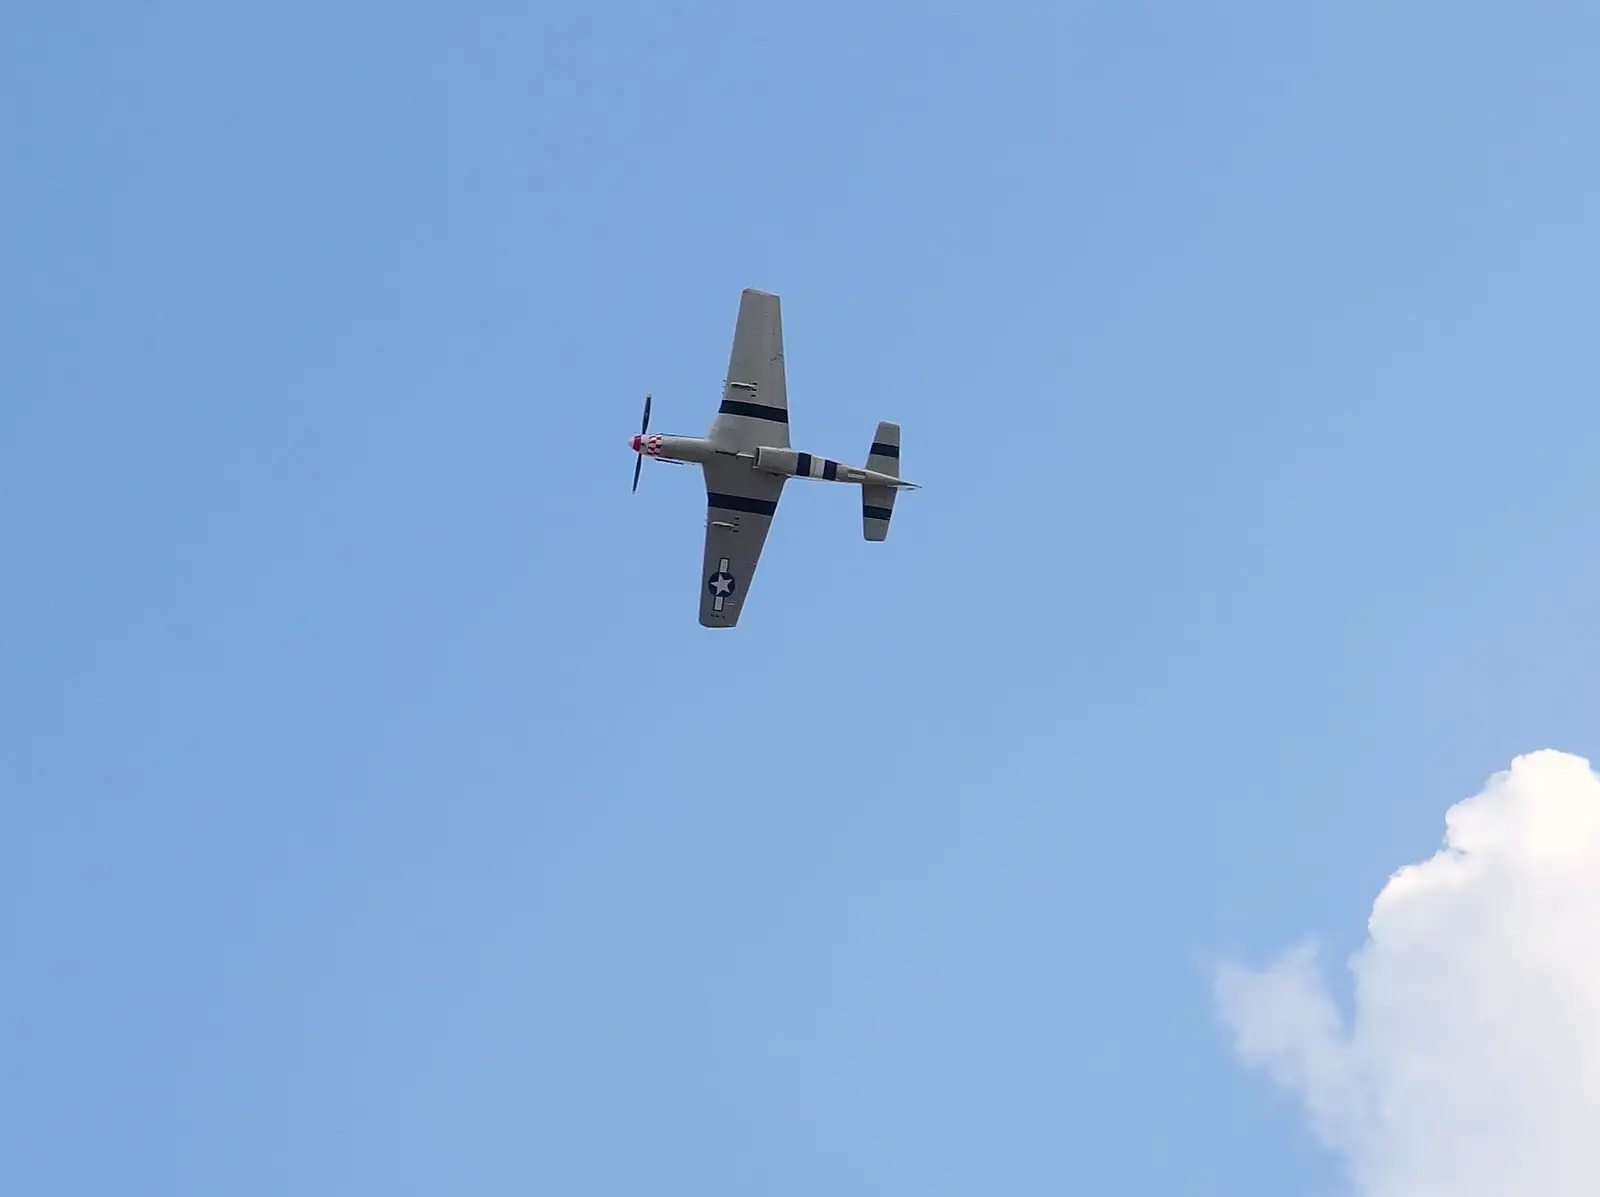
[(638, 442)]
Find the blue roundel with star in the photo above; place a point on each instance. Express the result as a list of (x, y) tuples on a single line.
[(721, 585)]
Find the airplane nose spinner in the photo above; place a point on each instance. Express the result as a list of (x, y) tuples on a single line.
[(637, 443)]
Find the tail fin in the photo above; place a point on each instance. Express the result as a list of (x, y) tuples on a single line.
[(877, 502)]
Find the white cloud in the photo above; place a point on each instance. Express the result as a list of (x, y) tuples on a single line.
[(1470, 1065)]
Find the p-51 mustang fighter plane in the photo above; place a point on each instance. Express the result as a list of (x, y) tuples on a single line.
[(747, 459)]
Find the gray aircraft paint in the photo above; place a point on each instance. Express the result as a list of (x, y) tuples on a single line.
[(746, 459)]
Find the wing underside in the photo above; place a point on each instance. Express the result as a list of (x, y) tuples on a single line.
[(755, 398), (740, 504)]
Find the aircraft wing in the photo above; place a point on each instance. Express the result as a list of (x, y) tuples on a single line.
[(755, 397), (740, 503)]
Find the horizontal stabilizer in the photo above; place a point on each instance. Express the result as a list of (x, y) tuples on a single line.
[(884, 456), (877, 505), (877, 502)]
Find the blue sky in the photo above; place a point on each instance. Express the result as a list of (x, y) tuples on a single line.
[(379, 819)]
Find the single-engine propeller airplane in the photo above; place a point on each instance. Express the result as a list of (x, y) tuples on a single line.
[(746, 459)]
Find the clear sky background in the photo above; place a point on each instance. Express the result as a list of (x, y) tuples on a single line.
[(378, 819)]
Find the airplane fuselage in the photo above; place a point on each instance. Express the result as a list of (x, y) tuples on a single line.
[(788, 463)]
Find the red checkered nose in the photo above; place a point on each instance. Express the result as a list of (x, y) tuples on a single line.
[(635, 443)]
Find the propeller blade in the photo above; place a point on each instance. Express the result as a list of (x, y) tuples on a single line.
[(645, 427), (637, 466)]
